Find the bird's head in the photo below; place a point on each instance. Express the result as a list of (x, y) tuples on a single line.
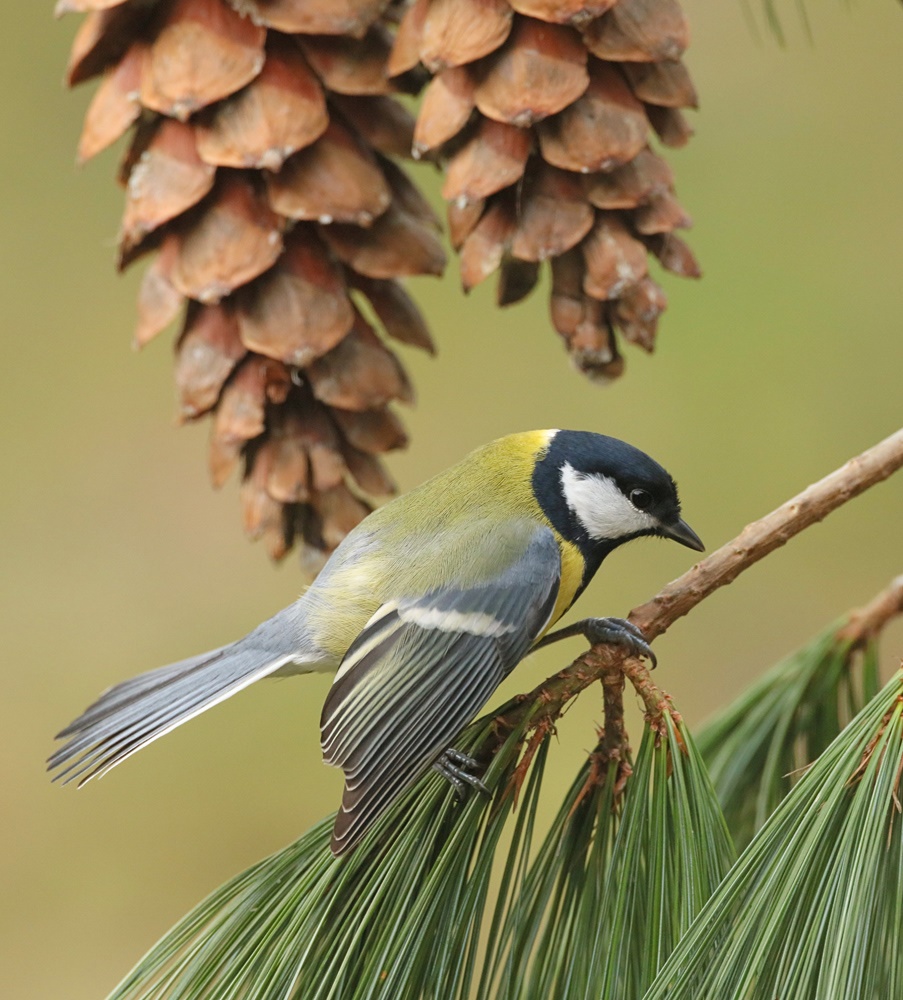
[(600, 492)]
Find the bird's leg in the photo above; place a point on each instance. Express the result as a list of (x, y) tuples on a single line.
[(617, 631), (456, 767)]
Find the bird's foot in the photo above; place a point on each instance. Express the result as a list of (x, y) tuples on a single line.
[(617, 631), (456, 767)]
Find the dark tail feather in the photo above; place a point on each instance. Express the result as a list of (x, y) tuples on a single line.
[(130, 715)]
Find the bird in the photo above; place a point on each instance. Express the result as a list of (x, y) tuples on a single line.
[(422, 610)]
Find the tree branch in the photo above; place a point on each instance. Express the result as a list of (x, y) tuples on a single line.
[(546, 702), (769, 533), (869, 620)]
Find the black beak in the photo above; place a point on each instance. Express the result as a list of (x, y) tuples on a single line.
[(683, 533)]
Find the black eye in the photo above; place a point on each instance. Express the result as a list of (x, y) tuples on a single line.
[(641, 499)]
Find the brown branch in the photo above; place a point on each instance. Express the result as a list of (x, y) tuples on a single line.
[(756, 541), (866, 622), (769, 533), (615, 744), (614, 737)]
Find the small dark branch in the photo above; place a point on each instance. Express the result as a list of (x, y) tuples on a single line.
[(615, 737), (656, 702), (615, 745), (543, 728), (866, 622), (597, 776), (545, 703)]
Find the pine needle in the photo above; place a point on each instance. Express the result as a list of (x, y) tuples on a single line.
[(392, 920), (758, 746), (615, 882), (437, 903), (812, 909)]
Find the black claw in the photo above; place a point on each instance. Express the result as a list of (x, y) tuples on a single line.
[(455, 767), (461, 759), (635, 629), (456, 783), (617, 631), (620, 632)]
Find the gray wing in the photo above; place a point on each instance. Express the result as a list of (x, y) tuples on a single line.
[(419, 672)]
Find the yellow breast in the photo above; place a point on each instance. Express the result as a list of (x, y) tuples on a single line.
[(572, 566)]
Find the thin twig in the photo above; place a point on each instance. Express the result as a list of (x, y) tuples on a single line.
[(615, 744), (614, 739), (769, 533), (869, 620), (756, 541)]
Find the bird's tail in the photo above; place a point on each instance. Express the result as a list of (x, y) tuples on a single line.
[(133, 714)]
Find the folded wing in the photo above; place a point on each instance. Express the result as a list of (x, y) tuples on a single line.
[(420, 671)]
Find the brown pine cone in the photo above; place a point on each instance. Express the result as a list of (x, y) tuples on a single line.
[(259, 173), (543, 111)]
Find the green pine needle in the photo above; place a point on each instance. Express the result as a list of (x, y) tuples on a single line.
[(813, 909), (757, 747), (392, 920), (447, 900), (615, 883)]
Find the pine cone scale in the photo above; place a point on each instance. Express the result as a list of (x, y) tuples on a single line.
[(235, 239), (115, 106), (168, 179), (354, 67), (159, 301), (313, 17), (484, 248), (573, 12), (281, 111), (459, 31), (604, 129), (104, 36), (334, 180), (208, 351), (397, 244), (445, 109), (493, 159), (540, 70), (554, 218), (300, 309), (203, 53), (615, 261)]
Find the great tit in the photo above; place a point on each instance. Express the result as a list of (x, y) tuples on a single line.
[(423, 609)]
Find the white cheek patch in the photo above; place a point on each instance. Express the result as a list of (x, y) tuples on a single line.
[(600, 506)]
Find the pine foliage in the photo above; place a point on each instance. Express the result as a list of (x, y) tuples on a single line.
[(813, 909), (393, 919), (416, 912), (759, 745), (616, 881)]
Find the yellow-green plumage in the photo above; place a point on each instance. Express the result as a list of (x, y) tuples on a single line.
[(461, 527)]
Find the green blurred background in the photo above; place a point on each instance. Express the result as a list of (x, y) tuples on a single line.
[(784, 361)]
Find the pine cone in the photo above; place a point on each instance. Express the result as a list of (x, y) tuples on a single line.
[(260, 174), (543, 111)]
